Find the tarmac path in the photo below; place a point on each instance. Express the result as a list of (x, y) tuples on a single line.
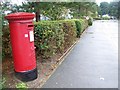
[(93, 63)]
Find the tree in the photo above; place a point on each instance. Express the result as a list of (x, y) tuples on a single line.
[(119, 9), (55, 10), (113, 9), (5, 7), (80, 9), (52, 10), (104, 6), (31, 7)]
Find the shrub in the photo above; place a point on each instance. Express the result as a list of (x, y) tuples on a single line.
[(6, 46), (84, 24), (81, 25), (97, 18), (90, 21), (70, 34), (78, 26), (53, 36), (105, 18), (48, 38)]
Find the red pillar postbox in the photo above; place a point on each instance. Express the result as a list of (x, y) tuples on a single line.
[(22, 40)]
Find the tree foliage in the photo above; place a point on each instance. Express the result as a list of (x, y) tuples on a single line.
[(113, 9), (54, 10), (79, 9), (109, 8), (104, 8), (119, 9)]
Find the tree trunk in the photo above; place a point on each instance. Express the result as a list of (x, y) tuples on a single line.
[(37, 16), (79, 9), (86, 12), (37, 12)]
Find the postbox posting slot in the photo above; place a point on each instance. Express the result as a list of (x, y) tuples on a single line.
[(30, 26)]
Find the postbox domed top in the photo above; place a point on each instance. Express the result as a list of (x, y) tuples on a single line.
[(20, 15)]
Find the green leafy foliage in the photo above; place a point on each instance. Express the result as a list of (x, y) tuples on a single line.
[(2, 83), (104, 6), (80, 9), (21, 86), (53, 36), (48, 38), (81, 25), (69, 29), (6, 46), (105, 18), (97, 18), (84, 24), (78, 26), (113, 9), (53, 10), (119, 9), (90, 21), (109, 8)]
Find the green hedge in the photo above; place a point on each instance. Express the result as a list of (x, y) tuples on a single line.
[(69, 28), (54, 36), (48, 38), (6, 46), (90, 21), (81, 25), (97, 18), (51, 37), (105, 18), (102, 18)]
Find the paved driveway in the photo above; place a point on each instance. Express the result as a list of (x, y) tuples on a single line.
[(93, 63)]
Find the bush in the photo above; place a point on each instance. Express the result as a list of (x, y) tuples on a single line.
[(81, 25), (84, 24), (6, 46), (97, 18), (69, 28), (48, 38), (78, 26), (105, 18), (53, 36), (90, 21)]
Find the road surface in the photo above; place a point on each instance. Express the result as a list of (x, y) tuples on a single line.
[(93, 63)]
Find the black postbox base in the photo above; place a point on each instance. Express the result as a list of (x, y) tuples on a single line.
[(27, 76)]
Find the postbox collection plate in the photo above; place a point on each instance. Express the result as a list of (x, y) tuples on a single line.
[(31, 34)]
